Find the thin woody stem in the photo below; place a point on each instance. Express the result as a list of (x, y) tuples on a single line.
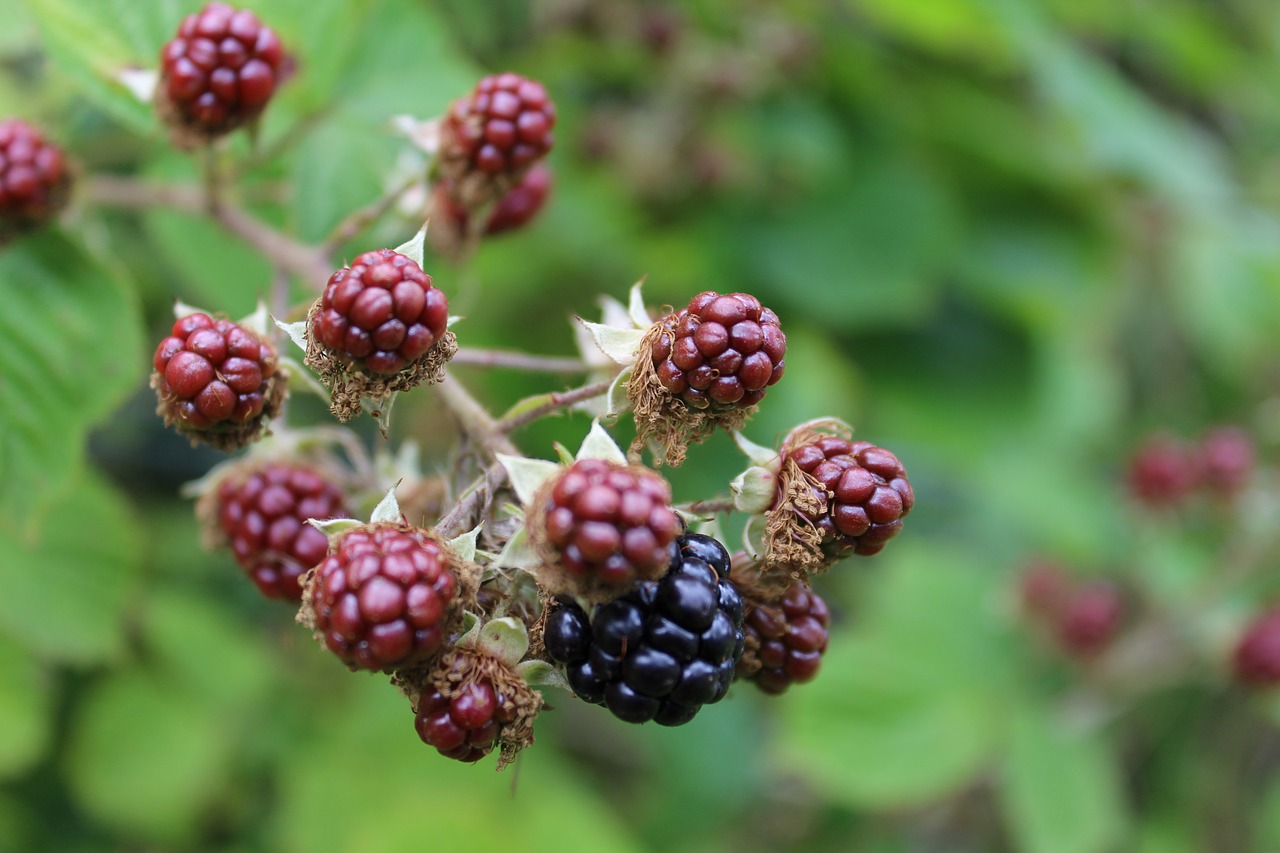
[(709, 507), (518, 361), (456, 521), (360, 219), (555, 402)]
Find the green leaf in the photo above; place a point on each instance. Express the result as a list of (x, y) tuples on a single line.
[(66, 589), (1060, 790), (146, 759), (70, 348), (24, 707)]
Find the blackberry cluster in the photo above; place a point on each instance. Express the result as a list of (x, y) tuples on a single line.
[(662, 651), (381, 599), (466, 726), (489, 138), (721, 352), (215, 376), (264, 516), (34, 178), (787, 639), (609, 523), (381, 313), (218, 73), (867, 494)]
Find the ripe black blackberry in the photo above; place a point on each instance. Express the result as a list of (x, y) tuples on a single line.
[(661, 652)]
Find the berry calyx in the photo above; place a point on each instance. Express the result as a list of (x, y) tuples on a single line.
[(491, 137), (785, 640), (600, 527), (262, 512), (35, 179), (473, 703), (379, 326), (660, 652), (1256, 658), (217, 73), (217, 381), (383, 597)]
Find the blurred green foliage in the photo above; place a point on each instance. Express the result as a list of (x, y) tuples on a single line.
[(1006, 239)]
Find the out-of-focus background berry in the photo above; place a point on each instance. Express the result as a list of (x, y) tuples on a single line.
[(1008, 241)]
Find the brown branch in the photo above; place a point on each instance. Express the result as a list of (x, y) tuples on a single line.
[(708, 507), (358, 220), (556, 402), (518, 361), (459, 519)]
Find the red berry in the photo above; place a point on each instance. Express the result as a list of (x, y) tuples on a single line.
[(381, 599), (1256, 658), (721, 352), (216, 378), (489, 138), (218, 72), (1227, 457), (864, 489), (466, 726), (264, 516), (35, 178), (1043, 588), (788, 638), (609, 524), (1162, 472), (381, 313), (1090, 619)]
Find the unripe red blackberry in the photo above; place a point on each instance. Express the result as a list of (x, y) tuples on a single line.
[(34, 179), (382, 599), (380, 313), (785, 640), (463, 727), (1162, 472), (1090, 619), (217, 74), (606, 526), (489, 138), (217, 381), (721, 352), (450, 219), (1227, 457), (1256, 659), (864, 489), (263, 514)]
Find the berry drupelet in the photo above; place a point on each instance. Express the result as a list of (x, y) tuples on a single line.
[(380, 314), (34, 179), (662, 651), (607, 525), (491, 137), (721, 352), (263, 514), (466, 726), (217, 381), (217, 74), (866, 493), (382, 598)]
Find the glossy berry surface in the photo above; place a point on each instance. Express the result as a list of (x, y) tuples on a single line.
[(34, 178), (503, 127), (213, 374), (1090, 619), (866, 491), (465, 727), (660, 652), (264, 516), (790, 638), (381, 313), (382, 597), (721, 352), (610, 523), (1256, 659), (219, 71)]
